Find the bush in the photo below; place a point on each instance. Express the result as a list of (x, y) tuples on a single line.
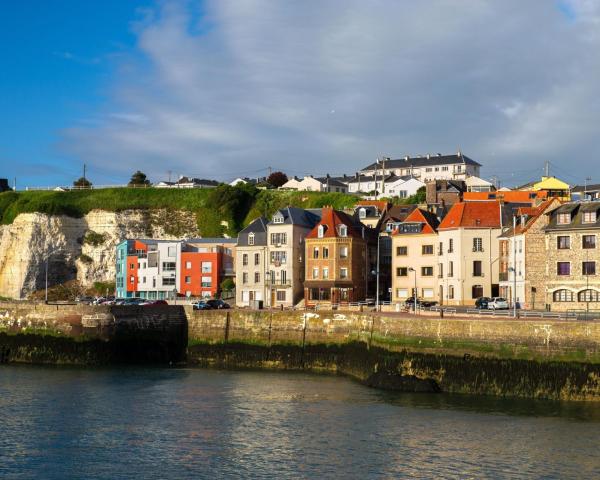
[(85, 258), (100, 288), (94, 238), (227, 285)]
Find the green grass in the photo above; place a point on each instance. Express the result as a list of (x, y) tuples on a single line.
[(237, 206)]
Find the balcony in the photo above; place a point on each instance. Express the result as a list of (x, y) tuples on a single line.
[(475, 249)]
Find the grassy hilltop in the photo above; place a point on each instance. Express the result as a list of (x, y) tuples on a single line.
[(237, 205)]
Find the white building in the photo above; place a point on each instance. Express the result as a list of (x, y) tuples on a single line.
[(314, 184)]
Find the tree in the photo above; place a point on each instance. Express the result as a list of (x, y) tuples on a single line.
[(227, 285), (82, 182), (277, 179), (138, 178)]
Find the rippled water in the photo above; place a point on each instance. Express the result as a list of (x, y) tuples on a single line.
[(187, 423)]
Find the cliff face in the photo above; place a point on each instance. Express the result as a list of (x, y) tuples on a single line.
[(84, 248)]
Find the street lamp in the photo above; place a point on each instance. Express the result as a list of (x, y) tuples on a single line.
[(410, 269), (48, 255)]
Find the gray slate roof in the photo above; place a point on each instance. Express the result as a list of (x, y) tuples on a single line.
[(298, 216), (424, 161), (259, 228)]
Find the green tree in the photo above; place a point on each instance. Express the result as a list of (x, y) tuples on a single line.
[(82, 182), (227, 285), (277, 179), (138, 178)]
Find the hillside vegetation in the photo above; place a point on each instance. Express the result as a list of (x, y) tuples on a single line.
[(236, 206)]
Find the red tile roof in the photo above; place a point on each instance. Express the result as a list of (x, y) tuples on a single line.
[(418, 216), (331, 218), (472, 215), (508, 196)]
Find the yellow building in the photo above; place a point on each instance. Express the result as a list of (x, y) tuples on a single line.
[(555, 188)]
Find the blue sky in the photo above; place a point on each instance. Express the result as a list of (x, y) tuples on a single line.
[(221, 88)]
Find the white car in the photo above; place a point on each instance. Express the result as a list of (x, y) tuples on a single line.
[(497, 303)]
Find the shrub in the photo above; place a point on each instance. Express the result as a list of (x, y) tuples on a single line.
[(85, 258), (94, 238)]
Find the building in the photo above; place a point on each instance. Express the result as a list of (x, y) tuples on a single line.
[(427, 168), (510, 196), (186, 182), (523, 256), (148, 269), (444, 192), (316, 184), (402, 187), (552, 186), (370, 212), (585, 192), (468, 251), (415, 267), (251, 264), (476, 184), (247, 181), (338, 260), (572, 257), (285, 235)]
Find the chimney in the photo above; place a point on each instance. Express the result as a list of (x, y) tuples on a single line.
[(406, 158), (428, 156)]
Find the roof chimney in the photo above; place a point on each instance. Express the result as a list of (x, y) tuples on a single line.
[(428, 156), (406, 158)]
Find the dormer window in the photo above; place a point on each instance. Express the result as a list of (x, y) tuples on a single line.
[(589, 217), (320, 231), (278, 218), (251, 238), (362, 212), (389, 227), (563, 218), (343, 230)]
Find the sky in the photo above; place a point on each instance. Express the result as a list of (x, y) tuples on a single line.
[(227, 88)]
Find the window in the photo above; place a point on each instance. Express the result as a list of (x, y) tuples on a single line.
[(450, 269), (278, 218), (451, 292), (325, 273), (344, 252), (563, 242), (477, 291), (316, 252), (450, 245), (245, 259), (168, 280), (278, 258), (563, 268), (315, 273), (343, 272), (320, 231), (257, 259), (401, 271), (188, 265), (563, 218), (256, 277), (401, 292), (402, 250), (428, 169), (362, 213), (251, 238), (206, 282), (169, 266), (477, 269), (132, 266), (325, 252), (245, 277), (131, 279), (427, 271), (427, 249), (441, 248), (343, 230), (206, 267), (444, 169), (589, 217), (271, 275), (427, 293), (172, 252), (477, 244), (188, 280), (588, 268), (281, 295), (588, 241), (440, 270), (278, 238), (588, 296), (562, 296)]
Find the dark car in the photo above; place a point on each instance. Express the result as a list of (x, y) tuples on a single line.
[(217, 304), (155, 303), (201, 305), (482, 303), (410, 302)]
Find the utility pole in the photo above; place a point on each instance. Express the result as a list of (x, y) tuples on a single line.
[(270, 169), (494, 179), (169, 174), (587, 179), (84, 168)]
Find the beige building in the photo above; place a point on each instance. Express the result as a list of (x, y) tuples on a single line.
[(414, 258), (250, 264), (469, 251), (285, 247)]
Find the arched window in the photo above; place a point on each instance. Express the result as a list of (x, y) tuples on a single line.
[(343, 231), (588, 296), (562, 295)]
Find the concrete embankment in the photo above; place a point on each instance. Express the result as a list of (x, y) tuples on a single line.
[(527, 358)]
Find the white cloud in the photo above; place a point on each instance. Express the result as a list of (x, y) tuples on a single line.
[(326, 86)]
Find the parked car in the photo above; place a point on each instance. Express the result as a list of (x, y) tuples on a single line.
[(85, 299), (201, 305), (410, 302), (217, 304), (482, 303), (154, 303), (498, 303)]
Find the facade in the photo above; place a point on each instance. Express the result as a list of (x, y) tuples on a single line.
[(313, 184), (370, 212), (476, 184), (251, 264), (511, 196), (553, 186), (285, 250), (427, 168), (572, 257), (403, 187), (415, 267), (468, 252), (185, 182), (444, 192), (337, 260)]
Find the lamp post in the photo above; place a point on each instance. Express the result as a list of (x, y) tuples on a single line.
[(514, 239), (410, 269), (377, 273)]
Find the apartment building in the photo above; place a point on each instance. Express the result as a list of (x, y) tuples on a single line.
[(338, 260), (148, 268), (468, 251), (316, 184), (572, 257), (285, 236), (523, 256), (415, 266), (251, 264), (426, 168)]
